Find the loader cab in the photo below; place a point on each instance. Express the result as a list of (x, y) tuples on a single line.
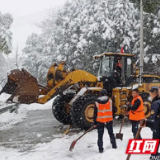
[(115, 69)]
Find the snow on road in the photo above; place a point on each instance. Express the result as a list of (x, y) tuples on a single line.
[(8, 120), (58, 149), (85, 149)]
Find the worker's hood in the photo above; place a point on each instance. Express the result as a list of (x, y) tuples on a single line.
[(102, 100)]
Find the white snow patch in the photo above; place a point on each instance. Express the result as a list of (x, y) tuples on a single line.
[(135, 86), (85, 149), (156, 30), (154, 59), (129, 61), (33, 106), (37, 106), (4, 97), (39, 135), (8, 119), (146, 59)]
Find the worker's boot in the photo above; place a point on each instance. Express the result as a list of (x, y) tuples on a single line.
[(101, 150), (113, 142)]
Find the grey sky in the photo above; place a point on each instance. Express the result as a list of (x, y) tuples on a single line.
[(25, 14)]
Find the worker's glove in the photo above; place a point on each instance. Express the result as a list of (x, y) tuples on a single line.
[(128, 103), (127, 108), (124, 106)]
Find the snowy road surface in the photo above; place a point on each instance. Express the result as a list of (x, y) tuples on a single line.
[(35, 135), (38, 127), (38, 138)]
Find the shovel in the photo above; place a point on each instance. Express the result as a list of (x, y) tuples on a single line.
[(136, 137), (75, 141), (120, 135)]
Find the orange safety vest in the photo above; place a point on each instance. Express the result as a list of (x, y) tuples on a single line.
[(104, 113), (139, 113)]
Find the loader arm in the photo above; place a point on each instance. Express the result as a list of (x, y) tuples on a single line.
[(74, 77)]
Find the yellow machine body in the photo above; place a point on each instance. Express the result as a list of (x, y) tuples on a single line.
[(26, 89)]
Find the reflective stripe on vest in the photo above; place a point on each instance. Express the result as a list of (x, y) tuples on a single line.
[(104, 113), (139, 113)]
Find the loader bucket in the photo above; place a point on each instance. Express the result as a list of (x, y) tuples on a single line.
[(23, 87)]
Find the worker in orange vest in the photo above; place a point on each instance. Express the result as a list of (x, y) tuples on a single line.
[(103, 117), (136, 111)]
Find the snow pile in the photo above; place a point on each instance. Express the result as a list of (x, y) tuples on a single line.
[(33, 106), (36, 106), (85, 149)]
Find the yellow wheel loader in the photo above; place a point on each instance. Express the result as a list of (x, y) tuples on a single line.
[(77, 90)]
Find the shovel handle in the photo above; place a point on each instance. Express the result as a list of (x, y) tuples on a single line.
[(123, 120), (85, 133), (75, 141), (122, 123), (137, 135)]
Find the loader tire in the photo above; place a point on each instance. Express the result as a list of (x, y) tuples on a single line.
[(60, 108), (146, 104), (147, 108), (82, 111)]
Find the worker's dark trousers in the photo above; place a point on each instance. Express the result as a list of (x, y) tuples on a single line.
[(100, 128), (135, 125)]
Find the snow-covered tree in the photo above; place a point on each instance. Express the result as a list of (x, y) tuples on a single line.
[(5, 43), (83, 28), (5, 34), (150, 6)]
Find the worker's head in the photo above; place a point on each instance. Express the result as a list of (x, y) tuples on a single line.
[(103, 92), (135, 93), (153, 93)]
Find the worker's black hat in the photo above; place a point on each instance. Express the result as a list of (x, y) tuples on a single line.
[(154, 89), (103, 92)]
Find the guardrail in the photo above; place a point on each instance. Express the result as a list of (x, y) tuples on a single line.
[(4, 107)]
